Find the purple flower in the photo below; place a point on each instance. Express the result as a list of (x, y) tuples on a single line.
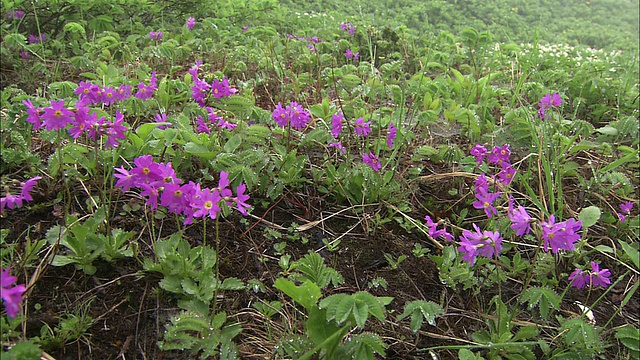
[(481, 184), (280, 115), (25, 54), (206, 204), (115, 130), (372, 160), (146, 170), (15, 14), (155, 35), (361, 127), (339, 146), (34, 114), (351, 55), (27, 187), (472, 244), (548, 101), (151, 193), (174, 197), (241, 200), (57, 116), (10, 201), (123, 92), (560, 236), (11, 295), (161, 118), (485, 202), (222, 89), (245, 28), (35, 39), (505, 176), (626, 207), (202, 127), (500, 155), (520, 219), (126, 180), (336, 124), (391, 135), (479, 152), (595, 277), (199, 91), (434, 232), (299, 116), (108, 95), (191, 22), (144, 92), (626, 210)]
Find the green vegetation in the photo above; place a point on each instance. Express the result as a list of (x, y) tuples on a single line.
[(336, 180)]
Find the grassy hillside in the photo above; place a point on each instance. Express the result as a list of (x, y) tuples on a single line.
[(601, 24)]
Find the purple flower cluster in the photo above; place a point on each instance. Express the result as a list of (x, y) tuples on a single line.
[(626, 211), (294, 114), (35, 39), (58, 117), (161, 186), (214, 120), (483, 243), (391, 135), (348, 28), (432, 228), (547, 102), (499, 156), (155, 35), (351, 55), (15, 14), (310, 41), (595, 277), (11, 295), (201, 89), (191, 22), (14, 201)]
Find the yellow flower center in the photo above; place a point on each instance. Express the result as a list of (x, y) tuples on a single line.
[(177, 193), (145, 170), (57, 113), (208, 205)]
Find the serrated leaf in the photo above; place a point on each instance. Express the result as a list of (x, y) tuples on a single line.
[(344, 309), (360, 313), (589, 216)]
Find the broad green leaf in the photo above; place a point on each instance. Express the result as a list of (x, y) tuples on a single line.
[(589, 216), (633, 253), (306, 294)]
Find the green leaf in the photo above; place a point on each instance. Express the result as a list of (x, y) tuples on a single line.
[(421, 309), (466, 354), (360, 313), (546, 298), (608, 130), (344, 309), (232, 284), (629, 336), (233, 143), (633, 253), (589, 216), (306, 294)]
